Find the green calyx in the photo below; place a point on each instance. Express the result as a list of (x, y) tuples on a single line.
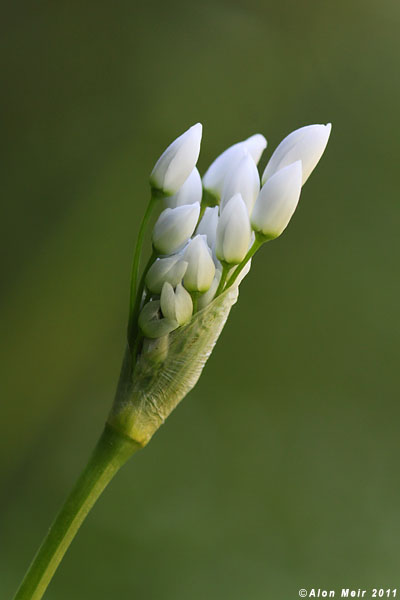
[(165, 370)]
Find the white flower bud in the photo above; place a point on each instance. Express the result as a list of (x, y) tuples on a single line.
[(233, 232), (205, 299), (176, 305), (201, 269), (177, 161), (277, 201), (226, 162), (244, 180), (190, 192), (208, 225), (174, 227), (171, 269), (152, 324), (306, 144)]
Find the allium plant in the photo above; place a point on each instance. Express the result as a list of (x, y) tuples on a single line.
[(202, 244)]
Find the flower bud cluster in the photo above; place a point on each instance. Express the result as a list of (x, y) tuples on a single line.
[(200, 247)]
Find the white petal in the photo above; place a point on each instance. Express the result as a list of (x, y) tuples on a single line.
[(226, 162), (244, 180), (277, 201), (205, 299), (171, 269), (201, 269), (233, 232), (306, 144), (176, 305), (208, 225), (151, 324), (255, 145), (177, 161), (190, 192), (174, 227), (183, 305)]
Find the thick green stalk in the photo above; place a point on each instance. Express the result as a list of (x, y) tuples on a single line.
[(112, 451)]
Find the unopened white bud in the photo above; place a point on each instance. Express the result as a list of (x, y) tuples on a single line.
[(306, 144), (171, 269), (244, 180), (190, 192), (176, 305), (233, 232), (277, 201), (225, 163), (152, 324), (201, 269), (174, 227), (205, 299), (177, 161), (208, 225)]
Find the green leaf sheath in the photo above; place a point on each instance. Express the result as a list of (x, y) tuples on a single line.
[(111, 452)]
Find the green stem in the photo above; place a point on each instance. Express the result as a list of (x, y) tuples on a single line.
[(203, 207), (195, 298), (208, 200), (258, 242), (137, 254), (111, 452), (132, 326), (224, 274)]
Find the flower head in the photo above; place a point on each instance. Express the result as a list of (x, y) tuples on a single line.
[(200, 256)]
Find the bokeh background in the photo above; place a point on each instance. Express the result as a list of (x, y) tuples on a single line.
[(280, 470)]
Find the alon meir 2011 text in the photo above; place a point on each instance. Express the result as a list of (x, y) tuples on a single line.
[(350, 593)]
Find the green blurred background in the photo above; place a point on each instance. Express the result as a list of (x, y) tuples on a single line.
[(280, 470)]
